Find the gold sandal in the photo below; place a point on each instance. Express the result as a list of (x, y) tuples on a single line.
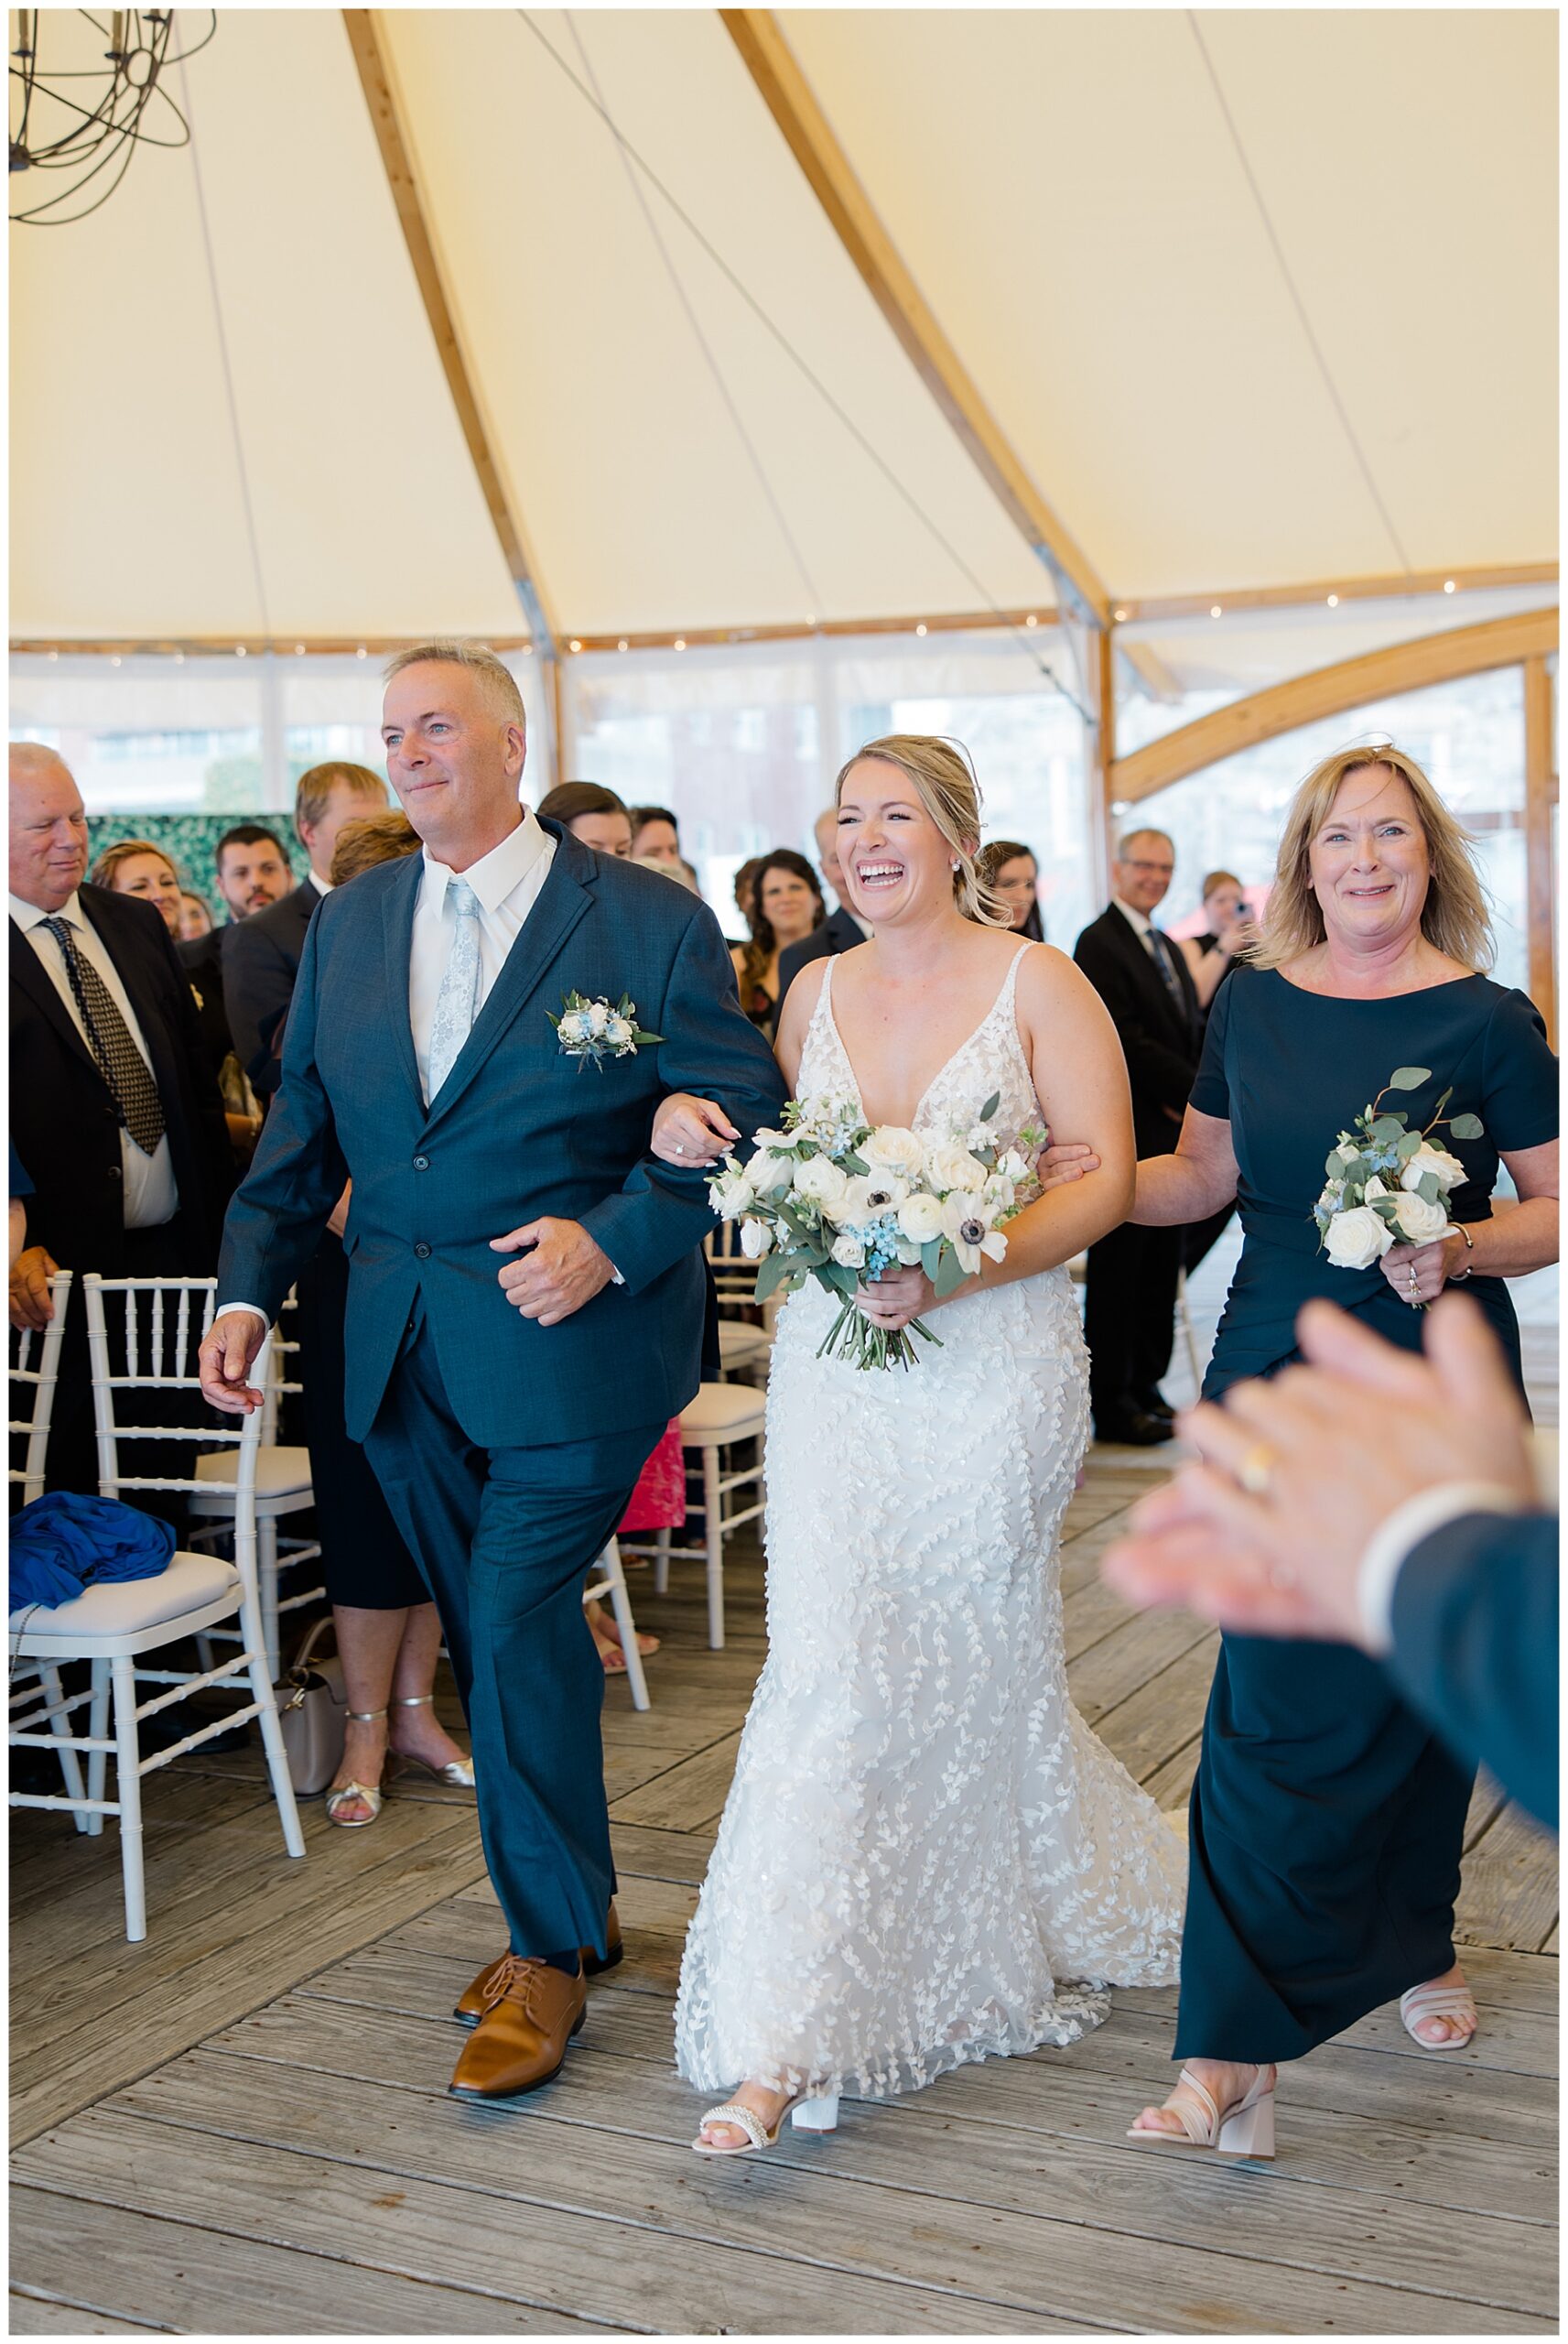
[(458, 1772), (338, 1798)]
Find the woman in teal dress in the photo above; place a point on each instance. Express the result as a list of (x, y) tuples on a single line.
[(1327, 1822)]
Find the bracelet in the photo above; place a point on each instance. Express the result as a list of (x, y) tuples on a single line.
[(1457, 1277)]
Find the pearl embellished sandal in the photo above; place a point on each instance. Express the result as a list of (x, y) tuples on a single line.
[(806, 2115), (1455, 2004)]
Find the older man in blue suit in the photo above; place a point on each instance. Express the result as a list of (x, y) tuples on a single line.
[(526, 1289)]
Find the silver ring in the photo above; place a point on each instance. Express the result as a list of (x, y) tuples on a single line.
[(679, 1149), (1415, 1286)]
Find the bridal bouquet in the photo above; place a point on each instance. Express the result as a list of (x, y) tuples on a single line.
[(828, 1197), (1386, 1183)]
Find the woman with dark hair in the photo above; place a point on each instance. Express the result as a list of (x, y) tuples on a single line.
[(591, 813), (1010, 868), (786, 904)]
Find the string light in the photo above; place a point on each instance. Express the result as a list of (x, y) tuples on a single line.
[(299, 651), (180, 658), (921, 628), (811, 618), (1448, 585), (680, 643), (622, 644), (114, 659), (362, 653), (1031, 620), (1215, 612), (1119, 614), (1333, 602), (54, 655), (575, 645), (239, 650)]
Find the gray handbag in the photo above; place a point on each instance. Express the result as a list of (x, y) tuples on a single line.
[(312, 1708)]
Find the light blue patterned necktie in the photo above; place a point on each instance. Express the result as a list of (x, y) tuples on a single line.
[(457, 1003)]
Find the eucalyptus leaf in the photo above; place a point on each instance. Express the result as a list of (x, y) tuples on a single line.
[(931, 1257), (989, 1110), (1442, 1102), (1338, 1165), (1409, 1078), (838, 1276), (1427, 1188), (771, 1272), (1408, 1146), (1467, 1127), (950, 1274), (1387, 1129)]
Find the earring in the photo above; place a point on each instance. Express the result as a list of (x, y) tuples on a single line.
[(955, 866)]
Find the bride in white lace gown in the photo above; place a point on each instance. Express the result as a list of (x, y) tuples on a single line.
[(926, 1857)]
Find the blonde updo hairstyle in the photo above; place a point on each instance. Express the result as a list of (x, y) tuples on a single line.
[(942, 778), (1454, 917)]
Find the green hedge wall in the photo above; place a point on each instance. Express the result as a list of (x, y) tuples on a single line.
[(190, 843)]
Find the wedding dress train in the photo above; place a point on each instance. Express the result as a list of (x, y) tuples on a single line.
[(926, 1857)]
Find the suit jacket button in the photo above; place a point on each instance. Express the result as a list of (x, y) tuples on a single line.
[(421, 1164), (421, 1251)]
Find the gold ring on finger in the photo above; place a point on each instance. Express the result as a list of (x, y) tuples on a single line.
[(1256, 1470)]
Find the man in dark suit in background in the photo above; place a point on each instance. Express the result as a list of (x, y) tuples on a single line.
[(841, 930), (1383, 1500), (1144, 981), (252, 872), (261, 954), (114, 1109)]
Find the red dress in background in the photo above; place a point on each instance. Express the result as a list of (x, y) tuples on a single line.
[(658, 1502)]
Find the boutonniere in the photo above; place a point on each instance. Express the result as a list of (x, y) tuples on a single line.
[(593, 1030)]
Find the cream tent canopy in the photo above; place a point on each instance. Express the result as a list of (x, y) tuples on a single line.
[(1245, 303)]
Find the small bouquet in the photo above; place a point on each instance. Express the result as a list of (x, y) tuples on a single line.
[(1386, 1183), (828, 1197), (593, 1029)]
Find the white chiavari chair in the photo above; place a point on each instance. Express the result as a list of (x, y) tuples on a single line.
[(35, 1376), (144, 1370), (611, 1581)]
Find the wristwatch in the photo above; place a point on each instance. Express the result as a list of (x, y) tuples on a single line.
[(1457, 1278)]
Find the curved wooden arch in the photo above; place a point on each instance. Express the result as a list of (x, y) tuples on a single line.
[(1328, 691)]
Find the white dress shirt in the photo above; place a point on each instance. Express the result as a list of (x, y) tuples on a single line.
[(1394, 1541), (150, 1194), (507, 883)]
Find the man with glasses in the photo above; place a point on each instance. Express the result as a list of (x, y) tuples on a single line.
[(1143, 980)]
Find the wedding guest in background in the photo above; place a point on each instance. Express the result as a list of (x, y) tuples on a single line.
[(1231, 927), (1009, 869), (1426, 1545), (195, 915), (136, 867), (1327, 1819), (261, 956), (252, 869), (1130, 1290), (114, 1109), (787, 905), (21, 1189), (842, 930), (681, 873), (745, 887), (655, 835), (594, 815), (369, 841)]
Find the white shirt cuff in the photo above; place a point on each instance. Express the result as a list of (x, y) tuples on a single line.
[(1393, 1541), (255, 1310)]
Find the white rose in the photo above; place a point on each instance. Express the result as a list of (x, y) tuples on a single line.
[(732, 1193), (1421, 1223), (1356, 1239), (823, 1184), (598, 1015), (849, 1252), (573, 1027), (1449, 1173), (756, 1238), (1013, 1166), (1374, 1189), (949, 1166), (618, 1033), (920, 1218), (1000, 1196), (892, 1149), (769, 1175)]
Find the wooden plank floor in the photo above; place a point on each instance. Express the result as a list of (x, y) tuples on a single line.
[(240, 2125)]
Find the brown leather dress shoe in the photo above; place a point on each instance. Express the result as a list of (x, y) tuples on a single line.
[(469, 2006), (531, 2013)]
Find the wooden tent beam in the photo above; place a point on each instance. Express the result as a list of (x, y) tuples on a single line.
[(789, 99), (1396, 587), (1328, 691), (388, 116), (1539, 862)]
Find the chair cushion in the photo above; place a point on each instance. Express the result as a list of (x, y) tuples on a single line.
[(280, 1472), (723, 1412), (125, 1607), (737, 1343)]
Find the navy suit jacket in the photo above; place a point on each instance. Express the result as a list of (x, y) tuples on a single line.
[(517, 1130), (1474, 1626), (260, 962), (1160, 1047)]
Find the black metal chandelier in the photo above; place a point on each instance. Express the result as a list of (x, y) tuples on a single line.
[(81, 114)]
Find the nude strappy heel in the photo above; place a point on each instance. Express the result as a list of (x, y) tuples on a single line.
[(370, 1792), (458, 1772), (1244, 2129), (1455, 2004)]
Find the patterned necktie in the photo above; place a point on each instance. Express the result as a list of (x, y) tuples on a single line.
[(1159, 948), (457, 1003), (120, 1063)]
